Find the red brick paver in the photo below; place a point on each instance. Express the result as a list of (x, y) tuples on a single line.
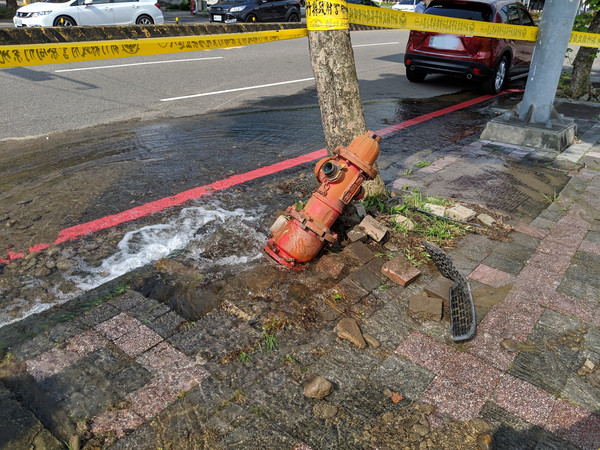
[(490, 276), (524, 399)]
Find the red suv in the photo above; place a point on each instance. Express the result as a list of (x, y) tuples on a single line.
[(488, 60)]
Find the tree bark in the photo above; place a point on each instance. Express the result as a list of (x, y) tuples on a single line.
[(342, 114), (11, 4), (333, 65), (582, 65)]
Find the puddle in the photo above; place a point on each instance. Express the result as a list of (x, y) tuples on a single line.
[(216, 241)]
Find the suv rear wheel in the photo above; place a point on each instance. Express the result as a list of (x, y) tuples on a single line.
[(494, 83), (415, 75)]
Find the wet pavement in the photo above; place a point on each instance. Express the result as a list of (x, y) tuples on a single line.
[(211, 347)]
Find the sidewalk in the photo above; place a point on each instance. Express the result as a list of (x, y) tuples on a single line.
[(124, 370)]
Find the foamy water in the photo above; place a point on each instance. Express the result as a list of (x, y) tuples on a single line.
[(214, 239)]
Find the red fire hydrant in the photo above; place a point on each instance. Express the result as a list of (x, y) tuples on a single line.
[(298, 236)]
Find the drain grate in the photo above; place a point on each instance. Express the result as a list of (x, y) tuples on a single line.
[(462, 310)]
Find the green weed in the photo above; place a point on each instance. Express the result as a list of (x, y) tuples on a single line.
[(289, 359), (375, 202), (550, 198), (244, 358), (421, 164)]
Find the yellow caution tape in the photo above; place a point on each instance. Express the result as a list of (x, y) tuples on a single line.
[(37, 54), (326, 15), (321, 15), (585, 39), (389, 18)]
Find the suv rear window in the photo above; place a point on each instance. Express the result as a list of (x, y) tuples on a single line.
[(461, 10)]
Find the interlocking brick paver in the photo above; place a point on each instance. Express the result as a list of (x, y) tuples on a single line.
[(531, 230), (118, 326), (590, 247), (473, 373), (512, 319), (488, 347), (575, 424), (536, 285), (57, 359), (453, 399), (524, 399), (583, 310), (119, 422), (425, 351), (558, 262), (137, 340), (490, 276)]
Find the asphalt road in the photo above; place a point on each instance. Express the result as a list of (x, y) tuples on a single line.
[(40, 100)]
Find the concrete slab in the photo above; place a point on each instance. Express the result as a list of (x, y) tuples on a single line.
[(513, 131)]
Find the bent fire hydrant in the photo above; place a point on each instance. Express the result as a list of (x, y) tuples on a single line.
[(299, 235)]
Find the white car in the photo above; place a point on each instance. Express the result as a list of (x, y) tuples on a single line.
[(55, 13), (406, 5)]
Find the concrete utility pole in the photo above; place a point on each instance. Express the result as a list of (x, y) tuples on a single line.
[(334, 69), (536, 123), (548, 59)]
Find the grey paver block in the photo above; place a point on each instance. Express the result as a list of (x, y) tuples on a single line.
[(582, 278), (364, 277), (167, 324), (543, 223), (19, 428), (97, 315), (554, 356), (440, 288), (513, 433), (579, 391), (359, 252), (148, 310), (402, 376), (127, 301), (351, 291), (390, 325), (425, 307)]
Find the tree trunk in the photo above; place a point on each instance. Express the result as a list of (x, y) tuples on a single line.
[(11, 4), (342, 115), (582, 65)]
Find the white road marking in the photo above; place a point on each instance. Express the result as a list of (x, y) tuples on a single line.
[(139, 64), (374, 45), (236, 90)]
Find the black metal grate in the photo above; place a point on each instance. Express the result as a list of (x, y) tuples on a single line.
[(462, 310)]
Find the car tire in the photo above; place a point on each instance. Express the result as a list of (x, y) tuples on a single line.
[(294, 17), (144, 19), (251, 18), (64, 21), (415, 75), (494, 83)]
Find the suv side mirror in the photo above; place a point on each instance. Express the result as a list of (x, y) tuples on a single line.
[(87, 2)]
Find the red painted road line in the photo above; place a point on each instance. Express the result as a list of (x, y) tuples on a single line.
[(69, 234)]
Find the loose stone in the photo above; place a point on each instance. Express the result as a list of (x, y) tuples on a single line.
[(371, 341), (318, 388), (348, 329), (510, 345), (325, 410)]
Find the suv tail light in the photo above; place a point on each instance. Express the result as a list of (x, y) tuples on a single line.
[(157, 5)]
